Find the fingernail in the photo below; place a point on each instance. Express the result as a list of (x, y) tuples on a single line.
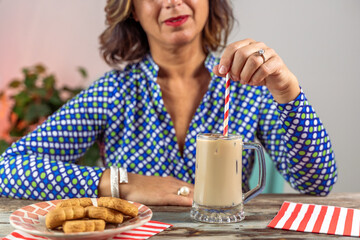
[(222, 69)]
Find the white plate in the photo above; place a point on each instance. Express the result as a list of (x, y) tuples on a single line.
[(31, 219)]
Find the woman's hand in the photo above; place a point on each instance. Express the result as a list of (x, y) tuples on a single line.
[(244, 64), (154, 190), (149, 190)]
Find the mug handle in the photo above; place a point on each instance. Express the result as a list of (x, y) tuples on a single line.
[(262, 171)]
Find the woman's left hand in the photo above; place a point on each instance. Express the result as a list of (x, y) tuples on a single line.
[(243, 62)]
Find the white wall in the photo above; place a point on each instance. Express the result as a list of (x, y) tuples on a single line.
[(318, 40), (60, 34)]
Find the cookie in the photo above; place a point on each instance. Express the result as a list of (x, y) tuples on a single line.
[(88, 225), (118, 204), (58, 216), (84, 202), (107, 214)]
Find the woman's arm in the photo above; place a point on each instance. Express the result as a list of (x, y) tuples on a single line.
[(297, 141), (149, 190), (42, 165), (295, 137)]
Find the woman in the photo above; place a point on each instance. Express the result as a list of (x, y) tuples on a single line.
[(148, 115)]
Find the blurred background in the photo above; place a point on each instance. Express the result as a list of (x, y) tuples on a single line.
[(318, 40)]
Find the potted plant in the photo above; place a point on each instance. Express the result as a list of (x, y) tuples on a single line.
[(34, 98)]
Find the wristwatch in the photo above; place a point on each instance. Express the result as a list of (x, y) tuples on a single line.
[(123, 175)]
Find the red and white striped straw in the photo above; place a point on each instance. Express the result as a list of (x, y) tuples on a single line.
[(226, 108)]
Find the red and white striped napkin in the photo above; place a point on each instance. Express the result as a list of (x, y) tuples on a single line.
[(317, 219), (143, 232)]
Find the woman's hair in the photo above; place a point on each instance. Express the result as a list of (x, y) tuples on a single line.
[(124, 40)]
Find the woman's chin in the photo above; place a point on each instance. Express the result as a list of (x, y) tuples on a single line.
[(182, 40)]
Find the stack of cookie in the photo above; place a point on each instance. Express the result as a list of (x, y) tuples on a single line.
[(80, 215)]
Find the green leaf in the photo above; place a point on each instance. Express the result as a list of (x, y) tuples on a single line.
[(19, 111), (22, 98), (15, 132), (35, 111), (39, 93), (15, 83), (49, 82), (83, 72), (73, 91), (25, 71), (56, 101), (39, 68), (30, 80), (3, 145)]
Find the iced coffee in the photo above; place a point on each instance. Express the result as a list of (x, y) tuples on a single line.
[(218, 196), (218, 171)]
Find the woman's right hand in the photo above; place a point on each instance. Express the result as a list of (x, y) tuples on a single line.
[(149, 190), (154, 190)]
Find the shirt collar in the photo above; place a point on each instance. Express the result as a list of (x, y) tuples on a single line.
[(151, 69)]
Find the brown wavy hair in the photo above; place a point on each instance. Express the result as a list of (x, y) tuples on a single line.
[(124, 40)]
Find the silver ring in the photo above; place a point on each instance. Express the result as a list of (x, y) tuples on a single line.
[(183, 191), (261, 54)]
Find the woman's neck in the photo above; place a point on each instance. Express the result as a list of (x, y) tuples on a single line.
[(179, 63)]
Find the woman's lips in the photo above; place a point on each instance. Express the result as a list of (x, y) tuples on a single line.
[(176, 21)]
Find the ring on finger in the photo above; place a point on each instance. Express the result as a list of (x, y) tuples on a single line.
[(183, 191), (261, 52)]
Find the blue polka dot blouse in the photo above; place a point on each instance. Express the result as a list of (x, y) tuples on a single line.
[(124, 110)]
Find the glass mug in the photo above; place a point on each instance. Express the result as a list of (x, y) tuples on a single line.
[(218, 196)]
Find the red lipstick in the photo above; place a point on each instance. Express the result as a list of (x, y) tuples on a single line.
[(176, 21)]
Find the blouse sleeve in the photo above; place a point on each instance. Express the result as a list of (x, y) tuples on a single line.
[(42, 165), (297, 141)]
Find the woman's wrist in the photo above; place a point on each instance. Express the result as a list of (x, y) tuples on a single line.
[(105, 186), (288, 95), (104, 189), (289, 92), (125, 188)]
